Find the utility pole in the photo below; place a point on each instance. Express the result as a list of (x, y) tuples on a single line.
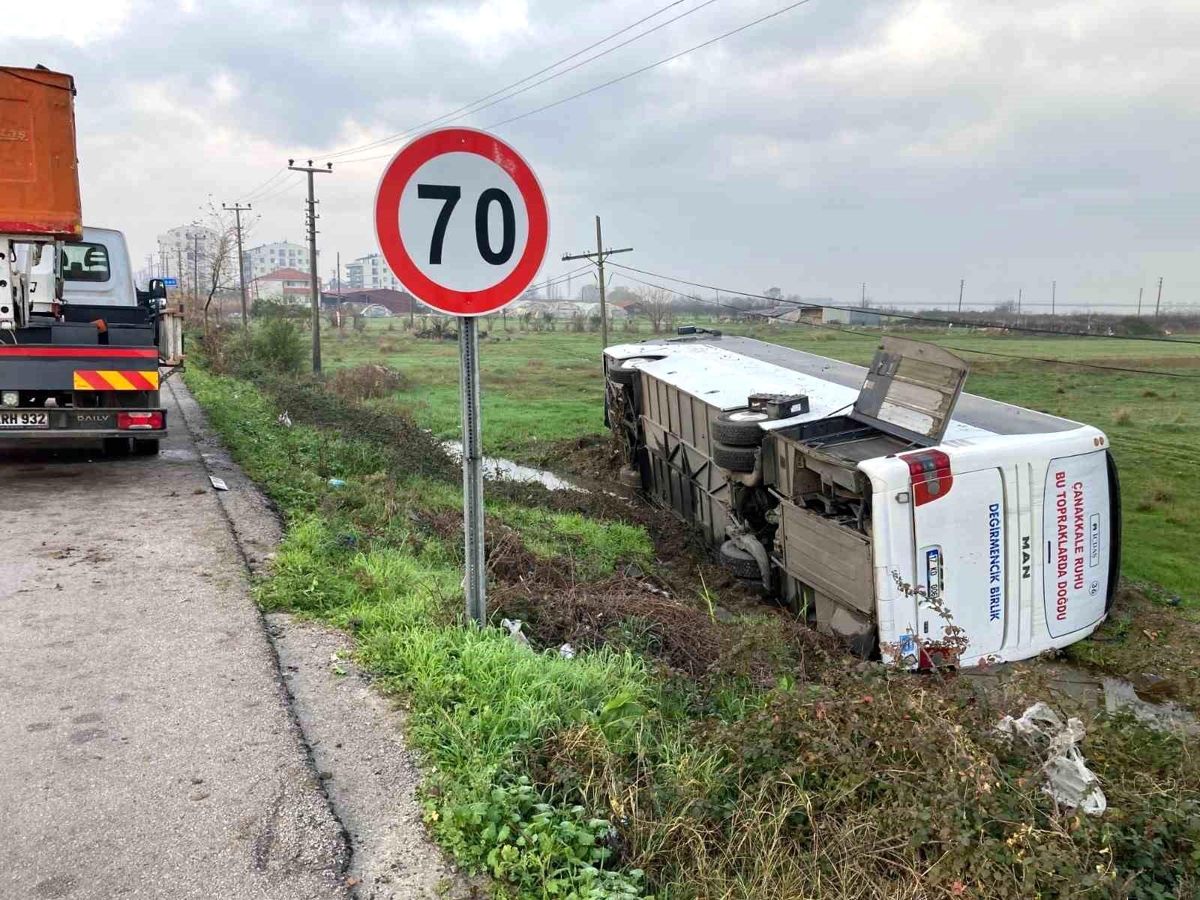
[(1020, 293), (149, 268), (864, 295), (237, 214), (312, 258), (1158, 302), (961, 284), (598, 258), (196, 266), (1139, 312), (1053, 297), (179, 262)]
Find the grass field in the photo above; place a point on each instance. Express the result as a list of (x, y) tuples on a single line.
[(698, 744), (540, 388)]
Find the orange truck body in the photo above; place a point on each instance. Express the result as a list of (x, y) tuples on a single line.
[(39, 171)]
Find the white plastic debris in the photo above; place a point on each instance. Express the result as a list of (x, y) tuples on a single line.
[(1068, 779), (514, 631), (218, 483), (284, 419), (566, 651)]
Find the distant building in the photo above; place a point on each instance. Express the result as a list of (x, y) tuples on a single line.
[(370, 272), (396, 302), (183, 250), (853, 316), (289, 286), (267, 258)]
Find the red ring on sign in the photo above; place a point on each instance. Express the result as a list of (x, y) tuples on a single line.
[(387, 220)]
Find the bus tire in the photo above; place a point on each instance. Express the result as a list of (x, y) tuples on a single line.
[(739, 562), (739, 427), (734, 459)]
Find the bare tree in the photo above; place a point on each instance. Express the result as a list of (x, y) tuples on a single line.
[(658, 308), (219, 264)]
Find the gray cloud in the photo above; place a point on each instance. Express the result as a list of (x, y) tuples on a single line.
[(906, 144)]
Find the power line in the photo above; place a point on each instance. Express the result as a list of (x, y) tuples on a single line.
[(910, 316), (868, 337), (249, 195), (467, 110), (653, 65), (626, 76)]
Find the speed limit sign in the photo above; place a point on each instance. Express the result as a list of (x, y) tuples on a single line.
[(462, 221)]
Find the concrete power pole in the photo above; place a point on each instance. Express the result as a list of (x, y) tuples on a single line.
[(312, 258), (237, 214), (961, 284), (1140, 290), (196, 267), (1158, 302), (1020, 294), (598, 258), (1053, 297)]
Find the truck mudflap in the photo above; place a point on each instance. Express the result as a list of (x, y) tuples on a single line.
[(53, 424)]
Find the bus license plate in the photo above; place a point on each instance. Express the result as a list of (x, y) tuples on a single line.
[(24, 419)]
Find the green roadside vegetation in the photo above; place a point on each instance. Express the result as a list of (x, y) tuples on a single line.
[(697, 743)]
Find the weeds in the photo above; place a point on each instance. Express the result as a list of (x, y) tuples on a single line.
[(676, 754)]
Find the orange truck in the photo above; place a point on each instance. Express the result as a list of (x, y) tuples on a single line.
[(79, 343)]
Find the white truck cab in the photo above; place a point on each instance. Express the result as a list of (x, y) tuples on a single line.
[(95, 272), (929, 526)]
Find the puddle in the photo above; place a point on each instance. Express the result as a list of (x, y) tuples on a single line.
[(495, 468), (1146, 697)]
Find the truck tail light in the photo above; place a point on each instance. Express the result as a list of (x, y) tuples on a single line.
[(139, 421), (931, 477)]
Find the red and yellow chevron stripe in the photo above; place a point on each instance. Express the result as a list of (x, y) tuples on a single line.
[(112, 380)]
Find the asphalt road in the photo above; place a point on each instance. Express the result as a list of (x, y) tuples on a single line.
[(147, 748)]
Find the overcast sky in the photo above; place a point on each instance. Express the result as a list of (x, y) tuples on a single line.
[(904, 144)]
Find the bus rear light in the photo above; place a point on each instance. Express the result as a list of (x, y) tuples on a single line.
[(931, 476), (139, 421)]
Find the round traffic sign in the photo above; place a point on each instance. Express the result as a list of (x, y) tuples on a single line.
[(462, 221)]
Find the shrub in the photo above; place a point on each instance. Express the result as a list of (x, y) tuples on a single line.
[(366, 382)]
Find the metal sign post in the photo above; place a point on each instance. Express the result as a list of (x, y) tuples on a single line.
[(472, 466), (467, 264)]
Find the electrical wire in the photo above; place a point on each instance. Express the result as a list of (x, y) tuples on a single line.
[(621, 78), (467, 109), (909, 316), (263, 187), (872, 338), (653, 65)]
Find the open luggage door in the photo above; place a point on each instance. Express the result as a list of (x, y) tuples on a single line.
[(910, 390)]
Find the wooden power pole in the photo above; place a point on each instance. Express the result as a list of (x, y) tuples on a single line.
[(598, 258), (237, 214), (312, 258), (1158, 302)]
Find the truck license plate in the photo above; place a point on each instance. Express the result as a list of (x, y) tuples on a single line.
[(24, 419)]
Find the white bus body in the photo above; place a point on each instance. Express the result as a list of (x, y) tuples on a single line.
[(932, 527)]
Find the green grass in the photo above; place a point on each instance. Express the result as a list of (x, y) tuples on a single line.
[(608, 777), (539, 388)]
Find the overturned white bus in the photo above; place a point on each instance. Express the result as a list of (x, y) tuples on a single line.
[(932, 528)]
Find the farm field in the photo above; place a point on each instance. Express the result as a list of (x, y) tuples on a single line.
[(540, 388)]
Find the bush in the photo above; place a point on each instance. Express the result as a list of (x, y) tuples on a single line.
[(270, 347), (366, 382)]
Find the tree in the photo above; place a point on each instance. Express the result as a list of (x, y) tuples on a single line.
[(218, 265), (657, 306)]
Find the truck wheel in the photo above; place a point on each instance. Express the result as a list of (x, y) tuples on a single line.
[(739, 562), (116, 447), (145, 447), (739, 427), (735, 459)]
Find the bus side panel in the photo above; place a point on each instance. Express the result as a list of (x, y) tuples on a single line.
[(1077, 536)]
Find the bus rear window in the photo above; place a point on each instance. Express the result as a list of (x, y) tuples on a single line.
[(85, 262)]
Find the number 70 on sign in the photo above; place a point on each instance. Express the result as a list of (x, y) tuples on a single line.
[(461, 221)]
